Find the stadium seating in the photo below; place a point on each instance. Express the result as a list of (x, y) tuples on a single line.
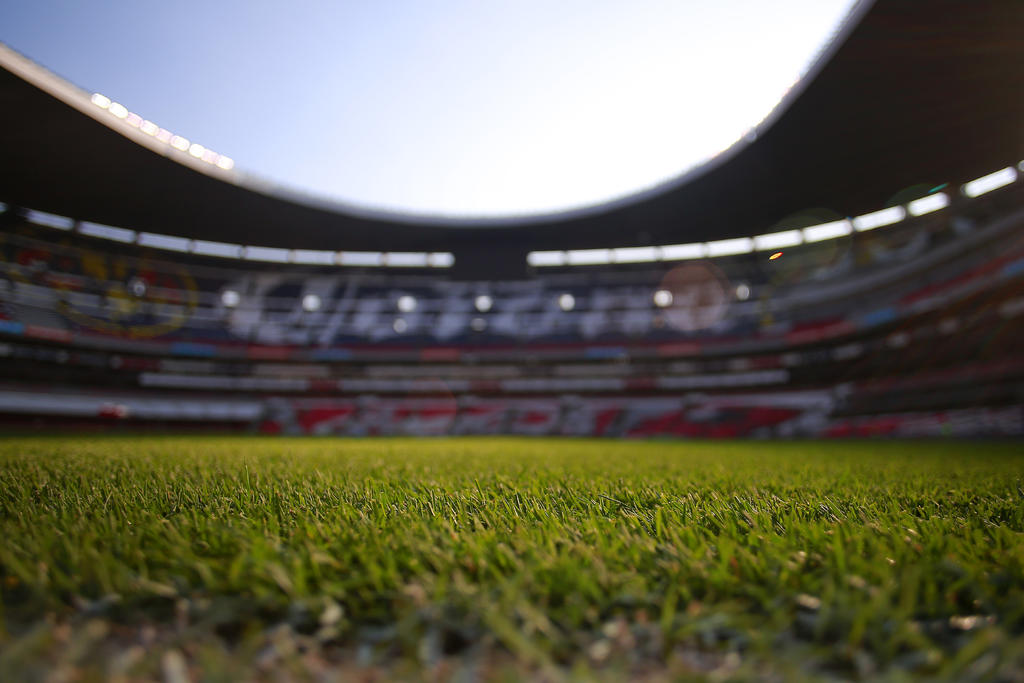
[(864, 334)]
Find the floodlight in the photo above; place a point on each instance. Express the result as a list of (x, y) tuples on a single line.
[(400, 325), (270, 254), (588, 257), (107, 232), (932, 202), (313, 257), (230, 298), (310, 303), (778, 240), (360, 258), (827, 231), (546, 258), (118, 110), (877, 219), (742, 292), (567, 302), (101, 101), (178, 142), (151, 239), (483, 303), (441, 259), (740, 245), (663, 298), (636, 254), (405, 259), (992, 181), (406, 303), (682, 252)]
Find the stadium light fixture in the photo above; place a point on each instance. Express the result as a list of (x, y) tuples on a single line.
[(483, 303), (406, 303), (990, 182), (165, 136), (313, 257), (405, 259), (683, 252), (636, 254), (742, 292), (360, 258), (546, 258), (589, 257), (567, 302), (877, 219), (50, 220), (157, 241), (740, 245), (777, 240), (222, 249), (441, 259), (269, 254), (107, 232), (230, 298), (311, 303), (932, 202), (662, 298), (827, 231), (400, 325)]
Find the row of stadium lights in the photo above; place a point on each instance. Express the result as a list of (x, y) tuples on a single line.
[(775, 240), (194, 149), (483, 303), (312, 257), (577, 257)]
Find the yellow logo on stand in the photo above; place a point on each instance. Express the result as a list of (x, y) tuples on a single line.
[(141, 299)]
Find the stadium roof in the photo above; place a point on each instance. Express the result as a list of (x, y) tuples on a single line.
[(907, 94)]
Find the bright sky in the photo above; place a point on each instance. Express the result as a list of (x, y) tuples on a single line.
[(453, 107)]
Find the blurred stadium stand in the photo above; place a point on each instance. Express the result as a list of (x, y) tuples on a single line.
[(902, 320)]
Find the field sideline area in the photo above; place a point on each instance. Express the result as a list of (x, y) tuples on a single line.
[(239, 558)]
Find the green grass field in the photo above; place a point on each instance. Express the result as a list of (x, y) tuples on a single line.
[(466, 559)]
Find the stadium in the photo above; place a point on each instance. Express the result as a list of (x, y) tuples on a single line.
[(761, 421)]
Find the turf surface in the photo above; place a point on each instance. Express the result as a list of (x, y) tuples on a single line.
[(518, 558)]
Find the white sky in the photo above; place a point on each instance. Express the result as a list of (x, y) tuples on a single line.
[(454, 107)]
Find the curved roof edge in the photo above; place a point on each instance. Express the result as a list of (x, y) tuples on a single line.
[(848, 135)]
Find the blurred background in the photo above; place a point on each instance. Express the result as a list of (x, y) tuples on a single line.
[(849, 262)]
